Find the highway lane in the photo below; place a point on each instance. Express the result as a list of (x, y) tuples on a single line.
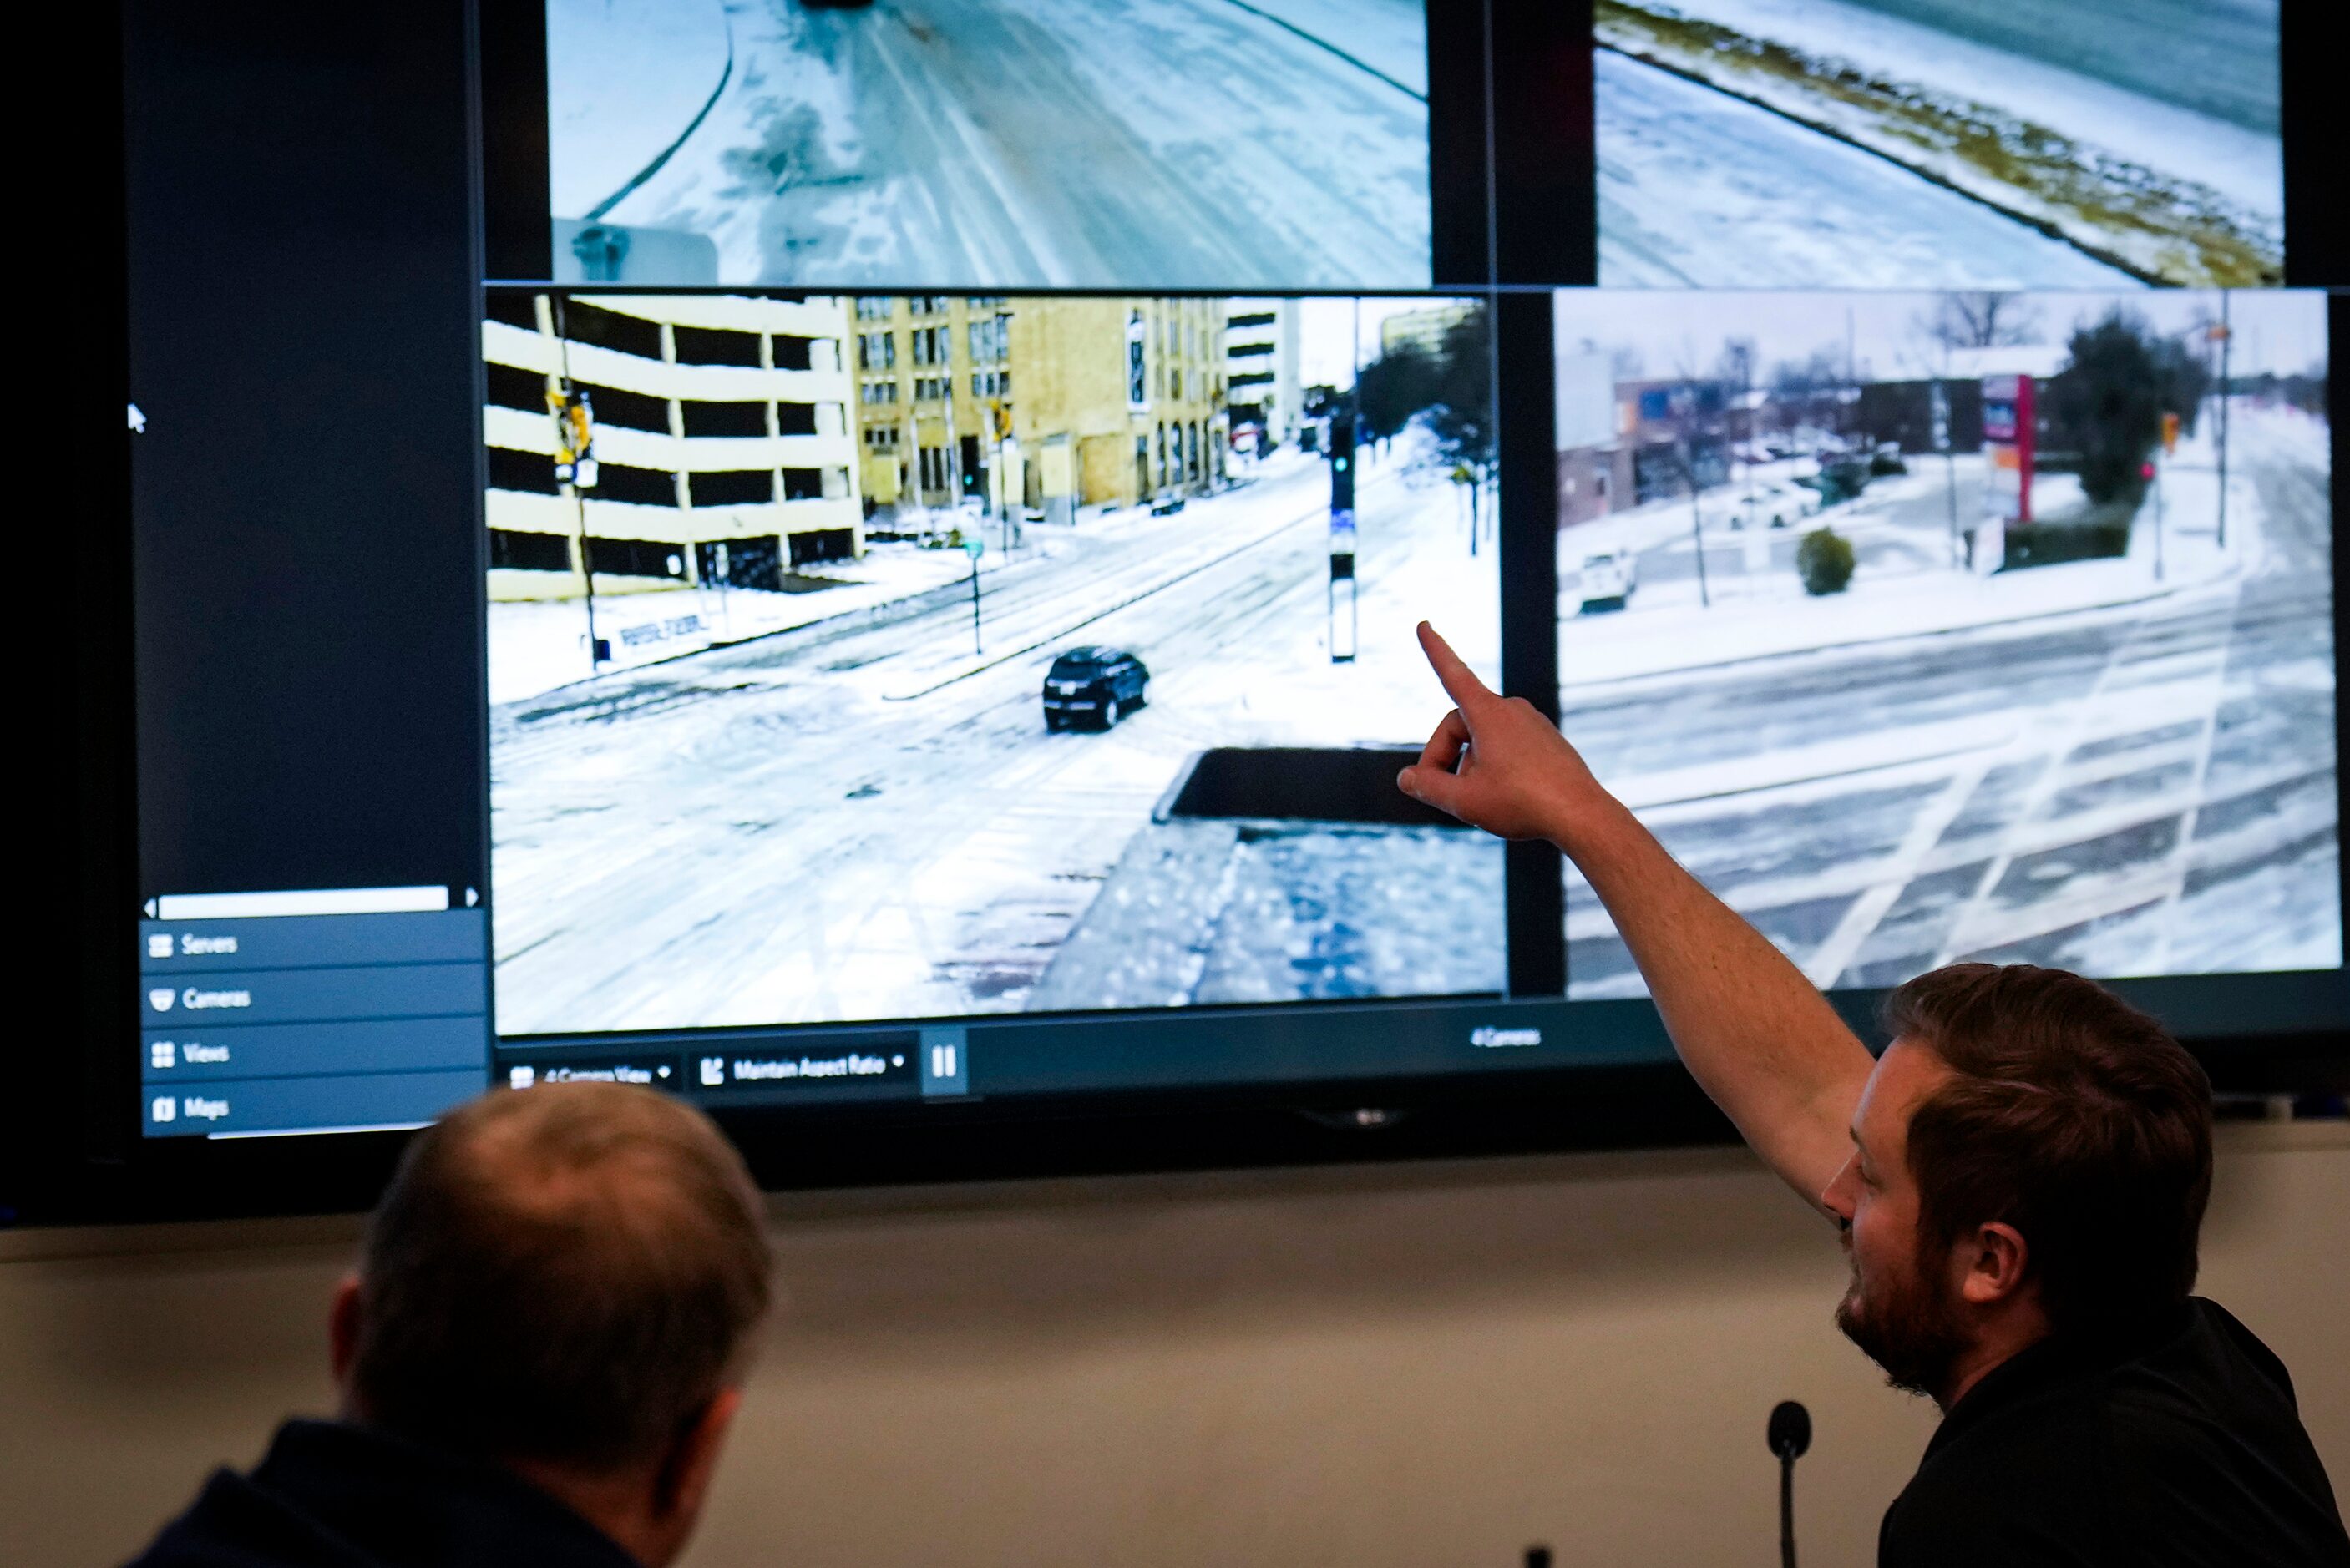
[(2216, 57)]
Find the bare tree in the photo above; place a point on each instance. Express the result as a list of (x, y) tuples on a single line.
[(1980, 318)]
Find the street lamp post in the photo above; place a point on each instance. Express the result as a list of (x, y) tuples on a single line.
[(974, 547), (1697, 526), (2226, 336)]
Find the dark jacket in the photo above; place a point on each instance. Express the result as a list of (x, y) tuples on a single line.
[(2178, 1444), (330, 1495)]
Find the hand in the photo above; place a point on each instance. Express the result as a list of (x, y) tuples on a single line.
[(1496, 763)]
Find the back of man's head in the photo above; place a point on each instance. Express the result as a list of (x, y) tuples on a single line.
[(568, 1274), (2071, 1115)]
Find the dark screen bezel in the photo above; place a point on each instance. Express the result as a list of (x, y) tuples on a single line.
[(72, 1154)]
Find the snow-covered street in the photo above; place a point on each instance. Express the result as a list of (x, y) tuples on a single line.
[(863, 818), (1952, 144), (1003, 143), (2074, 764)]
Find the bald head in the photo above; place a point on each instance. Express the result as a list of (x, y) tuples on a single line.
[(568, 1275)]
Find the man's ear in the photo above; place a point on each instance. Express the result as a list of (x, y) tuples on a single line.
[(1996, 1259), (683, 1480), (343, 1333)]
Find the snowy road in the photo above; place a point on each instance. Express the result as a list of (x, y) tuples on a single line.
[(2136, 44), (2133, 792), (1005, 143), (1699, 188), (863, 820), (1842, 142)]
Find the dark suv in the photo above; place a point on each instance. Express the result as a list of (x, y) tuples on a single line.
[(1099, 685)]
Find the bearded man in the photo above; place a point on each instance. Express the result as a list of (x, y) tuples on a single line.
[(2018, 1181)]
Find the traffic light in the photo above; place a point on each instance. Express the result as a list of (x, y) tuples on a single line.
[(575, 436)]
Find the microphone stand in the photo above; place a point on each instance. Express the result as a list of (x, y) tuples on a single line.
[(1790, 1435)]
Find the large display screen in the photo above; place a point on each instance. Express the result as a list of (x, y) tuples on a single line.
[(1931, 626)]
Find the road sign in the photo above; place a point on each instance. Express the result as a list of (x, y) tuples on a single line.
[(2010, 428)]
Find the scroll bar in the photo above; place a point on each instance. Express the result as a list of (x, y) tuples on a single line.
[(308, 902)]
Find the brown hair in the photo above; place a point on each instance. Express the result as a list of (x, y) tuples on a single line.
[(568, 1273), (2071, 1115)]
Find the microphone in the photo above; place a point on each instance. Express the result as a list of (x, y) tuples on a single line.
[(1791, 1430), (1791, 1436)]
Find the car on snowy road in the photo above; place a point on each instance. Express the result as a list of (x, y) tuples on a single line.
[(1608, 579), (1778, 505), (1093, 685)]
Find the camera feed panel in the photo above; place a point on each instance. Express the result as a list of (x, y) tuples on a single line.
[(989, 143), (1938, 143), (882, 657), (1934, 627)]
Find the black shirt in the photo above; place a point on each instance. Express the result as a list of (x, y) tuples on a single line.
[(2180, 1444), (335, 1496)]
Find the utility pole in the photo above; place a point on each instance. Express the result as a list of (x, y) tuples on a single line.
[(974, 547), (954, 452), (1851, 394), (2157, 520), (574, 430), (1941, 423), (1696, 527), (2226, 338)]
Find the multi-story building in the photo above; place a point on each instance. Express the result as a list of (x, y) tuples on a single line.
[(1424, 329), (1261, 358), (1122, 401), (934, 398), (721, 436), (1595, 464), (1117, 400)]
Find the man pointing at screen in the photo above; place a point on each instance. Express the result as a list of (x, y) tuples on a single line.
[(2018, 1181)]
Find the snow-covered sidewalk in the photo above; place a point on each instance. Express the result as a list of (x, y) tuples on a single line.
[(536, 646), (1759, 615), (1109, 557)]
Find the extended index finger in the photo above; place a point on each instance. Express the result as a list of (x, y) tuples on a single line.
[(1461, 682)]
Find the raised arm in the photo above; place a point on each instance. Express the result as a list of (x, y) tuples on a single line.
[(1756, 1034)]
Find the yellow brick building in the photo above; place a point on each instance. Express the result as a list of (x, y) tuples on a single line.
[(1424, 329), (1045, 403), (934, 391)]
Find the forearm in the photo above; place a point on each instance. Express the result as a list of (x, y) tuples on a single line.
[(1756, 1034)]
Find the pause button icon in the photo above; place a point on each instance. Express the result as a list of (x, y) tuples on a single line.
[(942, 1060)]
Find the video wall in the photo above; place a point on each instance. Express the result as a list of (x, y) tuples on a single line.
[(875, 549)]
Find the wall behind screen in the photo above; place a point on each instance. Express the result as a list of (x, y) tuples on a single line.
[(1401, 1366)]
